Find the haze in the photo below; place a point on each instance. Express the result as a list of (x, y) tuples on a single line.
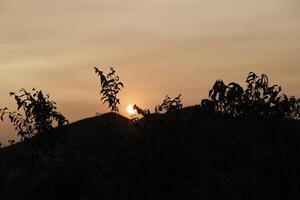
[(157, 47)]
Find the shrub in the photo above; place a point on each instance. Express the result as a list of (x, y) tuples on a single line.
[(258, 100), (111, 86), (169, 105), (140, 111), (36, 114)]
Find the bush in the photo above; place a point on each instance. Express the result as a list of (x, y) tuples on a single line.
[(111, 86), (258, 100), (36, 114), (169, 105), (140, 111)]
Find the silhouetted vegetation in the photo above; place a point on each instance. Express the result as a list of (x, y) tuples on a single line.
[(258, 100), (140, 111), (111, 86), (11, 142), (169, 105), (36, 114), (238, 144)]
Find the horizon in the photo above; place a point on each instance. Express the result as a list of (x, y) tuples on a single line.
[(158, 48)]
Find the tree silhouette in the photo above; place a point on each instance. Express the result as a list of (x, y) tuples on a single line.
[(11, 142), (111, 86), (140, 111), (169, 105), (36, 114), (258, 100)]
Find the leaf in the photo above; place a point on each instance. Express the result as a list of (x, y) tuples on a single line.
[(121, 84), (103, 80)]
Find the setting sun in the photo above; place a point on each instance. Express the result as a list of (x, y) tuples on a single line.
[(131, 110)]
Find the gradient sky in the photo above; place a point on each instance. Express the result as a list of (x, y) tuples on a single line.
[(158, 47)]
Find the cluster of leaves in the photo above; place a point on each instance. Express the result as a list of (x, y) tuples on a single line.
[(258, 100), (111, 86), (36, 114), (140, 111), (169, 105)]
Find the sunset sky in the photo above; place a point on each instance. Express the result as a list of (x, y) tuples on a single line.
[(158, 47)]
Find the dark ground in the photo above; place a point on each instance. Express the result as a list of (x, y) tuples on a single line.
[(190, 154)]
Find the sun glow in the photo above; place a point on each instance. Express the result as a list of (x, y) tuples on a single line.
[(131, 110)]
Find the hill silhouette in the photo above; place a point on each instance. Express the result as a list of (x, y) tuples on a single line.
[(188, 154), (237, 144)]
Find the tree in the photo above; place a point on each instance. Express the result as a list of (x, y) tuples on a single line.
[(258, 100), (169, 105), (111, 86), (140, 111), (36, 114)]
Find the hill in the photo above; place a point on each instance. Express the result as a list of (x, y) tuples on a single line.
[(189, 154)]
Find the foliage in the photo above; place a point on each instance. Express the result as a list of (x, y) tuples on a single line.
[(11, 142), (111, 86), (258, 100), (36, 114), (140, 111), (169, 105)]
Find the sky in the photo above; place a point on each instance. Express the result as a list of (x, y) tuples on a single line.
[(157, 47)]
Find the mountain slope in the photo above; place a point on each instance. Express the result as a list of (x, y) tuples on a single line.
[(190, 154)]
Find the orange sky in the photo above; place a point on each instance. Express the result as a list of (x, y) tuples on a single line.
[(158, 47)]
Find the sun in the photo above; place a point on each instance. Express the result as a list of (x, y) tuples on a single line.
[(131, 110)]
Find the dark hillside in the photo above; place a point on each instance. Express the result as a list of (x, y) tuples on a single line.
[(189, 154), (91, 132)]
